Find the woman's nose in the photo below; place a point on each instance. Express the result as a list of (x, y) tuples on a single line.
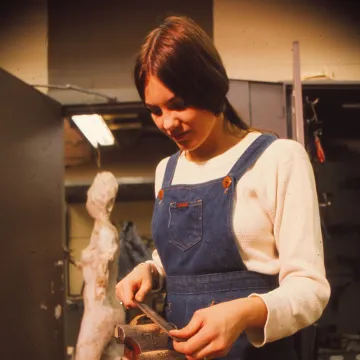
[(170, 123)]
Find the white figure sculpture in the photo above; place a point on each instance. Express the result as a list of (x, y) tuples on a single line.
[(102, 311)]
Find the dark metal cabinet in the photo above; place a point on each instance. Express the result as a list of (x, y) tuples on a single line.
[(32, 219)]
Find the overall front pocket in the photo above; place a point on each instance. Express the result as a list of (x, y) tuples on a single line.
[(185, 223)]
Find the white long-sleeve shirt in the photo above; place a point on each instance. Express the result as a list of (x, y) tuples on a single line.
[(277, 227)]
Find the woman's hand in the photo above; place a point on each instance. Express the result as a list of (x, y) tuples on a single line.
[(136, 284), (212, 331)]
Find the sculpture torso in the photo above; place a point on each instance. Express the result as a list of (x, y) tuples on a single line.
[(99, 266)]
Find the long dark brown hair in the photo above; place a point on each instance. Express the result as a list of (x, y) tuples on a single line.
[(185, 60)]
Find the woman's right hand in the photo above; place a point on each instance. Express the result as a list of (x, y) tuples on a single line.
[(136, 284)]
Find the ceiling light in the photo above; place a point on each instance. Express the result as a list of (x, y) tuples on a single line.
[(94, 129), (351, 106)]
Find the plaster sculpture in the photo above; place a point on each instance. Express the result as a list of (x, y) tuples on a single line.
[(102, 311)]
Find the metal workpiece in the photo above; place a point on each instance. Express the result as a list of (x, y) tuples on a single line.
[(144, 342), (161, 355), (141, 338)]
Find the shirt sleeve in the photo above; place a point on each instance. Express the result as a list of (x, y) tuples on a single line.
[(303, 290)]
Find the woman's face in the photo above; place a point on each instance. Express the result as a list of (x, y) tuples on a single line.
[(188, 127)]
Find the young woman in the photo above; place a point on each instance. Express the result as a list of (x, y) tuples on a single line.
[(236, 222)]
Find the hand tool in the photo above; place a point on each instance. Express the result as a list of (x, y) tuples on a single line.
[(157, 319)]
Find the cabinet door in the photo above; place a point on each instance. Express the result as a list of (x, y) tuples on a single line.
[(32, 223), (239, 98), (260, 104)]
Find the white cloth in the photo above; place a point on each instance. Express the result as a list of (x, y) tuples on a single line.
[(277, 226)]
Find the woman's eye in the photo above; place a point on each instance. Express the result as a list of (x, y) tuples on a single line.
[(155, 111), (178, 105)]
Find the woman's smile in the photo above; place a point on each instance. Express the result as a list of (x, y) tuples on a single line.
[(178, 137)]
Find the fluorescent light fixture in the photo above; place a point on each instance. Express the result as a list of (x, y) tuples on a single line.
[(94, 129), (351, 106)]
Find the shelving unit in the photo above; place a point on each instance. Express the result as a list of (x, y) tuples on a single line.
[(338, 185)]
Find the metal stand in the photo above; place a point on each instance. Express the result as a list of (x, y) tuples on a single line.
[(297, 102)]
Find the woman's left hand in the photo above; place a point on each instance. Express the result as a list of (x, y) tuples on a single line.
[(213, 330)]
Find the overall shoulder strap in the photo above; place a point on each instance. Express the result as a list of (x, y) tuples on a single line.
[(250, 156), (170, 170)]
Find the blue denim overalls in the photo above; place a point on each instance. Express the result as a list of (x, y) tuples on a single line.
[(193, 233)]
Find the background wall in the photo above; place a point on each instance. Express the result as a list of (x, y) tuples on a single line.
[(93, 45), (23, 39), (255, 38)]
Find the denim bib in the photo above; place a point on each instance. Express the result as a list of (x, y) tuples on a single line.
[(192, 227)]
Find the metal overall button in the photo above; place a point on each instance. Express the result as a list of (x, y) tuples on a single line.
[(226, 183), (160, 194)]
